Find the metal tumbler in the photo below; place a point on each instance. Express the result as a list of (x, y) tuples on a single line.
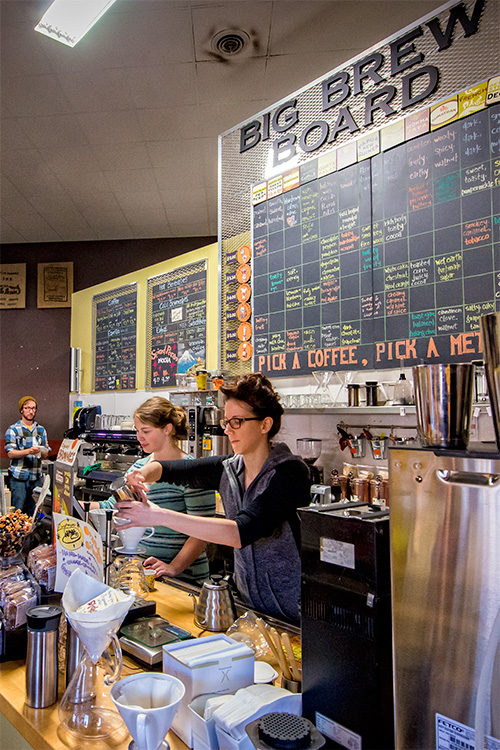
[(41, 658), (443, 399), (490, 330)]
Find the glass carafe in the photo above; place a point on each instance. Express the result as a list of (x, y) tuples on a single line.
[(86, 710)]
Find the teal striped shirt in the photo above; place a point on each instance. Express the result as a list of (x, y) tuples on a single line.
[(165, 543)]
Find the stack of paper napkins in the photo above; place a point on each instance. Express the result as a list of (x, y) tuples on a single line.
[(236, 711), (215, 664)]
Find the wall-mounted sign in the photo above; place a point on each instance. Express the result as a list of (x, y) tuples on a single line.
[(115, 339), (55, 284), (12, 286), (176, 324)]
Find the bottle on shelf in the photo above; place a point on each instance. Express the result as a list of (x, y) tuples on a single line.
[(402, 391)]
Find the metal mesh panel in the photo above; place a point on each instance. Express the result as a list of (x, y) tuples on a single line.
[(467, 61)]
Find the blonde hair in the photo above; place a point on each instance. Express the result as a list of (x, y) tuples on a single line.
[(159, 412)]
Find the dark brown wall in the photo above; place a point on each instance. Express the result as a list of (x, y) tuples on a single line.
[(35, 343)]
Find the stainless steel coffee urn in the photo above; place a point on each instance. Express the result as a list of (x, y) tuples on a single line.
[(215, 442)]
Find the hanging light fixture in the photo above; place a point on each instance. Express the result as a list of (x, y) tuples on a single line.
[(67, 21)]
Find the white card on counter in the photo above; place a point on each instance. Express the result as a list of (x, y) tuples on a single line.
[(338, 553), (452, 734), (78, 545)]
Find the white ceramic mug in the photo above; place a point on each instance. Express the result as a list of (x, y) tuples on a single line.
[(147, 702), (98, 518), (130, 538)]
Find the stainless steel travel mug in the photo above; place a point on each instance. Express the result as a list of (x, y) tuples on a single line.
[(41, 659)]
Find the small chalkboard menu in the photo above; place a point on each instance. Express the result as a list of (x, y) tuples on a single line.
[(114, 328), (392, 258), (176, 324)]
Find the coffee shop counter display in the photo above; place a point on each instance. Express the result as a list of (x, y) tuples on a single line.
[(41, 727)]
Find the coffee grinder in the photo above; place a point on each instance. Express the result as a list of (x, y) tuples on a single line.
[(309, 449)]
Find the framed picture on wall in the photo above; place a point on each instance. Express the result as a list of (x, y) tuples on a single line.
[(12, 286), (55, 284)]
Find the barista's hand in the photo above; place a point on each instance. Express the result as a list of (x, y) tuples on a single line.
[(137, 484), (160, 568), (144, 513)]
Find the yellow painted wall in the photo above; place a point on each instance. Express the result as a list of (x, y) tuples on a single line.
[(81, 311)]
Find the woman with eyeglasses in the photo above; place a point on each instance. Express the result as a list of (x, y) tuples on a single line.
[(261, 487)]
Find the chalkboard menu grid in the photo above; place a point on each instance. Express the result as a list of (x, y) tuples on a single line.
[(394, 257), (176, 324), (114, 315)]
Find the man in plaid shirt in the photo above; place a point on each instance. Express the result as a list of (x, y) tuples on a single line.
[(26, 444)]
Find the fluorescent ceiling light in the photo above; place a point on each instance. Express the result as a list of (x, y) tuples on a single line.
[(68, 21)]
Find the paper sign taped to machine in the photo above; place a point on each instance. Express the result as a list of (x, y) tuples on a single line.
[(78, 545), (338, 553)]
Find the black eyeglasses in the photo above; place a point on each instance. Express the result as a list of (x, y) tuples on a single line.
[(236, 422)]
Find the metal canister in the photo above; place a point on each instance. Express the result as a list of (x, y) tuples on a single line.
[(360, 489), (41, 658), (339, 480), (379, 492)]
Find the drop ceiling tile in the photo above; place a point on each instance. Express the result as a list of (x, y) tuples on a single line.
[(34, 95), (286, 74), (164, 154), (79, 185), (162, 85), (157, 35), (334, 24), (131, 180), (122, 156), (149, 200), (151, 229), (175, 201), (70, 159), (53, 131), (190, 228), (221, 84), (32, 227), (110, 127), (97, 90), (8, 233), (114, 231), (169, 123), (11, 135), (251, 17), (23, 162), (102, 202), (20, 54), (41, 184), (213, 120)]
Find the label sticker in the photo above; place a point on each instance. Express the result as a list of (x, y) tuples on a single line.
[(338, 553), (337, 732), (452, 735)]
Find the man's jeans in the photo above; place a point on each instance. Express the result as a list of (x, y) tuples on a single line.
[(22, 493)]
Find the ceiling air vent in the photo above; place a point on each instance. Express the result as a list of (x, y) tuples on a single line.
[(230, 42)]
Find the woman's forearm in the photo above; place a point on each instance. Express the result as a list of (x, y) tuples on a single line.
[(190, 552), (216, 530)]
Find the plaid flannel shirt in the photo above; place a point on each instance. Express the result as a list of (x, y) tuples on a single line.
[(19, 437)]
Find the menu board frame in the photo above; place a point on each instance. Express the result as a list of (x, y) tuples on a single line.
[(127, 379), (161, 370), (402, 324)]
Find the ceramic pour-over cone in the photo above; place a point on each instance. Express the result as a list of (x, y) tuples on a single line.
[(86, 710)]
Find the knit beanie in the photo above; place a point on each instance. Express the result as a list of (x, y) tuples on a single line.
[(23, 401)]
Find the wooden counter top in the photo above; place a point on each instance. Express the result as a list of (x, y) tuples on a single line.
[(41, 727)]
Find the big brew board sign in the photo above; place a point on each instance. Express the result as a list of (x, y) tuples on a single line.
[(176, 324), (392, 258), (114, 327)]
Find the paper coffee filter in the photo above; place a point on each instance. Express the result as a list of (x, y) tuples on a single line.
[(92, 627), (148, 693)]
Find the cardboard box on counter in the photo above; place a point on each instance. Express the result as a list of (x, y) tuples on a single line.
[(215, 664)]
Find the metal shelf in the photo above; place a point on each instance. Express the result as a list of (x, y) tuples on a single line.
[(399, 410)]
